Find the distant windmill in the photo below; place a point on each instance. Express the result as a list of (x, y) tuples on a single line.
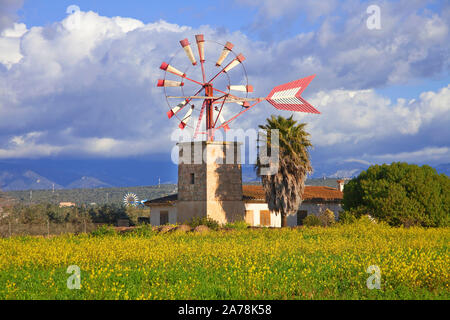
[(130, 200)]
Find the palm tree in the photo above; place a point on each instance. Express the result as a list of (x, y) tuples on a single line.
[(284, 189)]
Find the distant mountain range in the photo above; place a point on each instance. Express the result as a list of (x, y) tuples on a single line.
[(88, 183), (25, 180), (91, 174), (30, 180), (84, 174), (347, 169)]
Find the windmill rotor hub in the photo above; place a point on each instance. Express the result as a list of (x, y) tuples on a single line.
[(209, 92)]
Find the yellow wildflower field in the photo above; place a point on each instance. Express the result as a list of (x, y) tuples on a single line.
[(304, 263)]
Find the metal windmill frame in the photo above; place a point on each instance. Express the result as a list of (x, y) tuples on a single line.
[(283, 97)]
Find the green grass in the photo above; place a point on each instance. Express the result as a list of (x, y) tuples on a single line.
[(306, 263)]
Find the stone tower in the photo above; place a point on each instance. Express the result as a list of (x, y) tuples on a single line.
[(210, 181)]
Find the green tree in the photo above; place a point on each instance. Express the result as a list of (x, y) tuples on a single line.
[(284, 189), (400, 193)]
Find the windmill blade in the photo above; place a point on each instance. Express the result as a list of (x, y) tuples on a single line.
[(288, 96), (186, 119), (167, 67), (169, 83), (239, 59), (222, 120), (241, 88), (175, 110), (245, 104), (226, 51), (187, 48), (201, 46)]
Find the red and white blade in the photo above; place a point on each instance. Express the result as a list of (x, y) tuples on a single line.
[(175, 110), (288, 96), (186, 119), (221, 119)]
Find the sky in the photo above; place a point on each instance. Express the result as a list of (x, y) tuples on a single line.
[(82, 84)]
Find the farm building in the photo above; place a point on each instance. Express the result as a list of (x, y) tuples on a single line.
[(164, 210), (212, 187), (67, 204)]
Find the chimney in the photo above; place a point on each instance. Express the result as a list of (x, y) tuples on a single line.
[(340, 185)]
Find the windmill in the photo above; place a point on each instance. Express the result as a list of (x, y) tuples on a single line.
[(131, 200), (213, 96)]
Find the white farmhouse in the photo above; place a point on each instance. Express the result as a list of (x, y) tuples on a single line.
[(315, 199)]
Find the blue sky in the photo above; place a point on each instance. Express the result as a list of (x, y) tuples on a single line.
[(193, 13), (89, 91)]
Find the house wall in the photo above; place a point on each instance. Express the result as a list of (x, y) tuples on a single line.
[(190, 209), (155, 214), (315, 208), (275, 220), (226, 211), (254, 220)]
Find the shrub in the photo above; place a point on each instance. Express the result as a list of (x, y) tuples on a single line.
[(107, 213), (203, 221), (43, 212), (238, 225), (134, 214), (347, 217), (144, 231), (103, 231), (400, 194), (327, 217), (368, 219), (312, 221)]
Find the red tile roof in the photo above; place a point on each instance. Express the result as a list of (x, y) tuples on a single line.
[(255, 193)]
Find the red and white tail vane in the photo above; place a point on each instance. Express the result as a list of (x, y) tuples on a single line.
[(288, 96)]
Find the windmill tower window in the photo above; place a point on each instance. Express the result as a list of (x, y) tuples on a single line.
[(192, 178)]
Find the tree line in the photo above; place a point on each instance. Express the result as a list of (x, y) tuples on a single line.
[(43, 212)]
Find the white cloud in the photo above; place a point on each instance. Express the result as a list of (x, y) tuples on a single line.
[(88, 82), (356, 116), (8, 14), (364, 162), (425, 154), (10, 45)]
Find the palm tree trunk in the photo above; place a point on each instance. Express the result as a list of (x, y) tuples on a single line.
[(283, 220)]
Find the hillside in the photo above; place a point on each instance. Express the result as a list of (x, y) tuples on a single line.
[(114, 195), (47, 174), (88, 196)]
